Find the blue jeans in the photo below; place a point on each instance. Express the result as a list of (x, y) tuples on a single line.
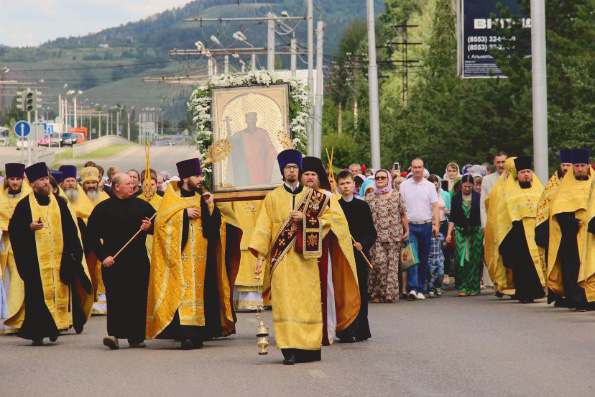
[(420, 236)]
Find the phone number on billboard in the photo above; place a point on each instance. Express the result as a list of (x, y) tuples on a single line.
[(487, 39), (484, 47)]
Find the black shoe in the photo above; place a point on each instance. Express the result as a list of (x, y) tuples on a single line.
[(289, 360), (54, 338), (37, 342), (79, 328), (197, 343), (187, 344), (348, 339), (111, 342), (499, 294)]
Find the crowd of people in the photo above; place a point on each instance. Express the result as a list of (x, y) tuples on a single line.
[(162, 257)]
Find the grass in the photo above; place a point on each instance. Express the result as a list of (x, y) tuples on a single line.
[(99, 154)]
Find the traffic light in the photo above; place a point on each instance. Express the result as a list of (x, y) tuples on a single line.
[(36, 99), (28, 102)]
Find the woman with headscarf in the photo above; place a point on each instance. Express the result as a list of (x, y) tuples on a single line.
[(451, 173), (465, 222), (390, 219)]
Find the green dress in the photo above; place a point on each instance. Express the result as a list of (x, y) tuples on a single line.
[(468, 255)]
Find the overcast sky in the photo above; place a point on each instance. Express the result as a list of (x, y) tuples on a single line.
[(33, 22)]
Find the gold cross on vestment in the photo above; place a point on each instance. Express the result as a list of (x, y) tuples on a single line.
[(185, 257), (200, 256), (250, 207)]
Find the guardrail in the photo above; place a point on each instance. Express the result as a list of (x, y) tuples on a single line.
[(81, 149)]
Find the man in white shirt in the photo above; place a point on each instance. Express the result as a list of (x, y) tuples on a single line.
[(421, 201), (488, 183)]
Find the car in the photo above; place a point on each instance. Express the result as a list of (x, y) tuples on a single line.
[(170, 143), (22, 144), (45, 141), (68, 139)]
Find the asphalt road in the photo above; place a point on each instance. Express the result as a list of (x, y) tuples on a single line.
[(450, 346)]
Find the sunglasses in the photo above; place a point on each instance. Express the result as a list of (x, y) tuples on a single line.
[(380, 178)]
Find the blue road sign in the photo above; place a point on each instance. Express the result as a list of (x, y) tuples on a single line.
[(22, 128), (49, 129)]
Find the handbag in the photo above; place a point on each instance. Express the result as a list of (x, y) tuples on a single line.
[(408, 256)]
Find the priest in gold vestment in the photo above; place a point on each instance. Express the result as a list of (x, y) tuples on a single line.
[(14, 189), (569, 272), (189, 293), (288, 236), (49, 257)]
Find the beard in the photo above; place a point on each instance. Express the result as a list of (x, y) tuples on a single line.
[(13, 192), (525, 185), (43, 191), (72, 194), (93, 195)]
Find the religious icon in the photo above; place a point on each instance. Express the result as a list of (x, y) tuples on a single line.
[(255, 121)]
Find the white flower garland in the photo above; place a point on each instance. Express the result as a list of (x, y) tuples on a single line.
[(199, 106)]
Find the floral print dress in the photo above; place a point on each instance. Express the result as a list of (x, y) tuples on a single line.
[(383, 283)]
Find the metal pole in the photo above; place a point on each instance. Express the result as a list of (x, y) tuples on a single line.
[(271, 42), (74, 123), (99, 126), (35, 137), (539, 89), (253, 62), (293, 58), (28, 139), (226, 64), (118, 121), (373, 87), (128, 114), (319, 89), (310, 20)]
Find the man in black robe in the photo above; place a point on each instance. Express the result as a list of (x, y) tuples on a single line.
[(47, 310), (571, 224), (361, 227), (515, 251), (126, 277)]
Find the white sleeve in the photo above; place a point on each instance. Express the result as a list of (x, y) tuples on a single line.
[(482, 205)]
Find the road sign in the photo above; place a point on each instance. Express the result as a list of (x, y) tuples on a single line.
[(22, 128), (49, 128)]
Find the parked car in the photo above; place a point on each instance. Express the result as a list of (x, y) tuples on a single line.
[(68, 139)]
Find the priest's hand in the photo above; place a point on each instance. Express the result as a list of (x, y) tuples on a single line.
[(208, 198), (193, 213), (36, 225), (109, 261), (357, 246), (146, 225), (258, 267), (297, 216)]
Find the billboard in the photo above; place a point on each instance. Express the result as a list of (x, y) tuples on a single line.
[(476, 35)]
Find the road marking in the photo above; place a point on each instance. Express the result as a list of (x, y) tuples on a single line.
[(316, 373)]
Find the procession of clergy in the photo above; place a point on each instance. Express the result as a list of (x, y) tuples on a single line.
[(168, 264)]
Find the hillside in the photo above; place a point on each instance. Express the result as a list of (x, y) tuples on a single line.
[(108, 65)]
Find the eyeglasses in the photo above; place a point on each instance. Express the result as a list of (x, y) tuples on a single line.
[(292, 167), (380, 178)]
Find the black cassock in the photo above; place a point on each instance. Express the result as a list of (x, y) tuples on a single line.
[(361, 227), (570, 261), (38, 322), (126, 282), (516, 256)]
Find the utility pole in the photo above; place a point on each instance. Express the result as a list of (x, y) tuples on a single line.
[(319, 89), (310, 21), (539, 89), (253, 61), (373, 87), (271, 42), (226, 64), (293, 59)]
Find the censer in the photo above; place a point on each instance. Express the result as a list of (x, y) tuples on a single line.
[(262, 332)]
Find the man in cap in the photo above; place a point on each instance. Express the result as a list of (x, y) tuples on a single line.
[(111, 226), (13, 190), (566, 270), (189, 293), (291, 243), (49, 257), (90, 181), (542, 224), (314, 177), (518, 248)]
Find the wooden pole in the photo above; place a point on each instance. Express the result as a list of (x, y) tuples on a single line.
[(133, 237), (364, 255)]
